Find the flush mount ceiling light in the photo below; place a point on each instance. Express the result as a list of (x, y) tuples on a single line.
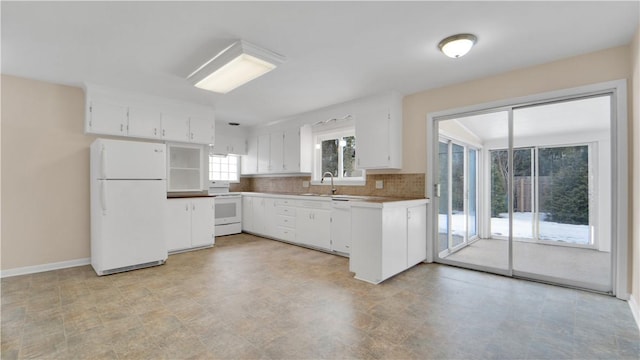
[(457, 45), (234, 66)]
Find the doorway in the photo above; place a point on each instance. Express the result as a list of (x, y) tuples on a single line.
[(526, 190)]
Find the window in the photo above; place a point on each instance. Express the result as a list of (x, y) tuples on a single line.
[(224, 167), (335, 152)]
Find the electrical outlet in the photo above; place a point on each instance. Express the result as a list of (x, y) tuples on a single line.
[(379, 184), (305, 184)]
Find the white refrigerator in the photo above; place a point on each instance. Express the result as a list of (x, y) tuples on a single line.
[(128, 199)]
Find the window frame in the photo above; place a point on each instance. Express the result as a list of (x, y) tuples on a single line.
[(337, 133), (210, 164)]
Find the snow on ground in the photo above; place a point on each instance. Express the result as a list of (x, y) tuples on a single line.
[(522, 228)]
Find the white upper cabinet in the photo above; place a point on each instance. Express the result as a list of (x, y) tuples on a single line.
[(379, 132), (249, 163), (145, 122), (276, 152), (185, 167), (202, 129), (230, 145), (264, 150), (297, 150), (106, 117), (175, 127), (121, 113)]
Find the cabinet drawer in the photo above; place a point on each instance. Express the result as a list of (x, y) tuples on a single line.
[(286, 234), (286, 210), (286, 221), (285, 202), (315, 204)]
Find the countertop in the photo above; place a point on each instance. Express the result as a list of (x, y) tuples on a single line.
[(194, 194), (351, 198), (304, 196)]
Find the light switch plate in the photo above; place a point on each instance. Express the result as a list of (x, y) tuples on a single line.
[(379, 184), (305, 184)]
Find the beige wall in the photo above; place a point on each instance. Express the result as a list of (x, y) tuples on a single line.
[(635, 216), (45, 174), (611, 64)]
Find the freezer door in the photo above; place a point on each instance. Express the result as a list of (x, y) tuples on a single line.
[(116, 159), (129, 223)]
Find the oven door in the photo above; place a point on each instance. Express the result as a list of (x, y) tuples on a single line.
[(228, 210)]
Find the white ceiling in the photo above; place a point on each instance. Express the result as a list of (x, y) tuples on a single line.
[(336, 51)]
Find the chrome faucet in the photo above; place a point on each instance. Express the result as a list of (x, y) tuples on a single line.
[(333, 188)]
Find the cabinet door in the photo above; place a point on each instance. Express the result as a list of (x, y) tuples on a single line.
[(304, 226), (145, 122), (313, 227), (291, 160), (222, 145), (238, 146), (271, 218), (178, 224), (202, 222), (249, 162), (321, 229), (394, 241), (341, 229), (263, 154), (108, 118), (372, 137), (175, 127), (247, 213), (416, 234), (259, 215), (276, 152), (201, 130)]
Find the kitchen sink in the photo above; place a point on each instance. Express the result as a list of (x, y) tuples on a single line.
[(339, 197), (348, 197)]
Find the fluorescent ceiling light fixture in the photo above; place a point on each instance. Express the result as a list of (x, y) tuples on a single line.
[(457, 45), (234, 66)]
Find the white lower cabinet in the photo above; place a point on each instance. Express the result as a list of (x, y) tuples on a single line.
[(313, 226), (270, 217), (387, 239), (258, 212), (416, 234), (285, 228), (190, 223), (381, 239), (341, 227), (247, 213)]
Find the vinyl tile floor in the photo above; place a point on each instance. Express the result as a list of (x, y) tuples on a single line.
[(253, 298)]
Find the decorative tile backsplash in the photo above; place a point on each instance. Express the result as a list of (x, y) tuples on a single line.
[(394, 185)]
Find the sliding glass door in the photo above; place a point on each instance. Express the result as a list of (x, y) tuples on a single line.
[(457, 207), (570, 149), (525, 191)]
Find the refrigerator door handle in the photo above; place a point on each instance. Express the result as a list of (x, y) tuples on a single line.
[(103, 196), (103, 161)]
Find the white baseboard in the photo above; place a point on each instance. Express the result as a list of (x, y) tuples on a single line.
[(44, 267), (635, 310)]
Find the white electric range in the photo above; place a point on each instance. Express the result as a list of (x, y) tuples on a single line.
[(228, 208)]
